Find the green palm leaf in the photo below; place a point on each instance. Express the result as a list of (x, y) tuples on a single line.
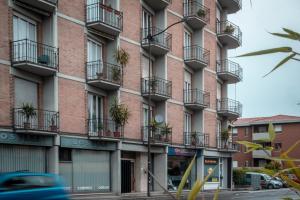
[(281, 63), (288, 36), (268, 51), (295, 34), (271, 132)]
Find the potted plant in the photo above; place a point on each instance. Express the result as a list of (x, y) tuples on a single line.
[(224, 137), (201, 12), (122, 57), (116, 74), (29, 112), (229, 29), (53, 126), (100, 129), (120, 115), (154, 125), (194, 138), (166, 131)]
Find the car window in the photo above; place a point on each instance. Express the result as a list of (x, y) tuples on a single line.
[(28, 182)]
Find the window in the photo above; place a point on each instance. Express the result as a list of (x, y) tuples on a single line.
[(260, 129), (146, 23), (187, 85), (278, 128), (277, 146), (95, 113), (246, 131), (234, 131), (65, 154)]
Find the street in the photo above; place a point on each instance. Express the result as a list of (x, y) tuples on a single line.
[(224, 195)]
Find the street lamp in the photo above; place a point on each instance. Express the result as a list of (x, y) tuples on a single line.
[(150, 38)]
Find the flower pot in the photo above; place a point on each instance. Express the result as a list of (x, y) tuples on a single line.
[(53, 128), (26, 125), (117, 134)]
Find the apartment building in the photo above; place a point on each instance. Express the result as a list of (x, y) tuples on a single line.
[(59, 76), (256, 129)]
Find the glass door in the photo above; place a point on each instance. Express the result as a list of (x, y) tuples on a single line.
[(95, 114), (188, 128), (146, 24), (187, 45), (94, 10), (94, 59), (145, 122), (187, 86)]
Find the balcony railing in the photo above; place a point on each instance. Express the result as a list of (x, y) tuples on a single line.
[(98, 12), (163, 40), (197, 53), (99, 70), (157, 134), (227, 145), (231, 6), (195, 9), (226, 105), (33, 52), (196, 139), (157, 5), (196, 97), (104, 128), (42, 120), (229, 68), (157, 86), (230, 29)]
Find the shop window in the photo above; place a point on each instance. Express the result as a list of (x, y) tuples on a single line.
[(277, 146), (65, 155), (211, 164), (278, 128)]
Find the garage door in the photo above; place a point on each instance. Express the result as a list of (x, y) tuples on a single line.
[(15, 158)]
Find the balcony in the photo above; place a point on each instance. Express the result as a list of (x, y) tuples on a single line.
[(34, 57), (104, 18), (104, 75), (158, 135), (157, 5), (261, 153), (196, 139), (196, 57), (260, 136), (196, 99), (159, 89), (104, 129), (196, 15), (229, 71), (160, 44), (224, 145), (46, 5), (229, 34), (42, 122), (229, 108), (231, 6)]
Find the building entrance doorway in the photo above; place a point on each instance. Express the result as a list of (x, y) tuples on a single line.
[(127, 176)]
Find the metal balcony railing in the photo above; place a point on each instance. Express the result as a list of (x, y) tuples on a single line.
[(158, 86), (42, 120), (99, 70), (157, 134), (99, 12), (223, 144), (229, 28), (99, 127), (230, 67), (229, 105), (164, 39), (196, 96), (33, 52), (196, 139), (194, 8), (196, 52)]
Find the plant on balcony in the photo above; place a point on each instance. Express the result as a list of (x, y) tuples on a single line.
[(100, 128), (194, 138), (120, 115), (122, 57), (53, 126), (153, 85), (116, 74), (229, 29), (166, 131), (29, 112), (154, 125), (201, 12), (224, 137)]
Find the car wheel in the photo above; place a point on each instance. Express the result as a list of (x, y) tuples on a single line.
[(270, 186)]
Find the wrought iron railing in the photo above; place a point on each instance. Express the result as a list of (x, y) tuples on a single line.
[(196, 139), (99, 12), (196, 96), (157, 134), (194, 8), (164, 39), (99, 70), (158, 86), (227, 27), (39, 120), (33, 52), (226, 144), (196, 52), (227, 66), (99, 127), (229, 105)]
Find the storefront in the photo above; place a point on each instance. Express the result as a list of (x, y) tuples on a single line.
[(212, 165), (178, 161)]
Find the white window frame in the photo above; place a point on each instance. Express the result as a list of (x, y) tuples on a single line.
[(278, 128)]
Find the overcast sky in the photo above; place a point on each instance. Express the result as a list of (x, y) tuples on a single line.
[(279, 92)]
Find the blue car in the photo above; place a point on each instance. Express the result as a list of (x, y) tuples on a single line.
[(31, 186)]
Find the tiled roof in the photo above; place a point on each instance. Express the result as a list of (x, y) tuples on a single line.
[(265, 120)]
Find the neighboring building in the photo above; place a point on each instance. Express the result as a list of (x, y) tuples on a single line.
[(255, 129), (58, 56)]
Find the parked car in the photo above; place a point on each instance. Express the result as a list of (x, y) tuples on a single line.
[(284, 184), (266, 181), (31, 186)]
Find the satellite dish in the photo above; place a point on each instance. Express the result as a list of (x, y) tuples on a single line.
[(159, 118)]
